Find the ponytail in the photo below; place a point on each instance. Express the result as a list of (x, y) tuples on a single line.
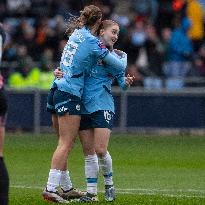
[(89, 16)]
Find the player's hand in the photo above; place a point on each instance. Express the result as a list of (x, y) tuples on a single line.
[(119, 52), (58, 73), (129, 80)]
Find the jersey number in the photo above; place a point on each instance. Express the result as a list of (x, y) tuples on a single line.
[(68, 53), (107, 116)]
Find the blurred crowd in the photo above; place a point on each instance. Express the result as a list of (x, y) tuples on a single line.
[(164, 39)]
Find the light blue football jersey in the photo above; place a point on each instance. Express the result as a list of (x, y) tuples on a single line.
[(79, 55), (97, 90)]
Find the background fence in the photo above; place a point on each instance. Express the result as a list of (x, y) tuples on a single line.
[(137, 110)]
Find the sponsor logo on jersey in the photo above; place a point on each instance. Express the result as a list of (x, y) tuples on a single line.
[(62, 109)]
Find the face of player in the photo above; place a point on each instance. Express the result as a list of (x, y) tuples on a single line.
[(109, 36)]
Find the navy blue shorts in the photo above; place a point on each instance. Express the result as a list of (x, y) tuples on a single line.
[(50, 105), (59, 102), (3, 103), (98, 119)]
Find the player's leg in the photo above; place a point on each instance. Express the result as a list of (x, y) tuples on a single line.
[(4, 183), (2, 134), (104, 121), (3, 111), (68, 120), (102, 136), (91, 161), (54, 117), (55, 124), (68, 128), (65, 182), (91, 165), (4, 178), (68, 191)]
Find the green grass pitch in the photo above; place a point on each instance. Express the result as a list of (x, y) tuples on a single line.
[(147, 169)]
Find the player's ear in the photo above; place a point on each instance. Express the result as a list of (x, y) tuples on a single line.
[(101, 33)]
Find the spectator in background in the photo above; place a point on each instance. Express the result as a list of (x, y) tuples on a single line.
[(146, 8), (132, 42), (18, 6), (136, 50), (41, 34), (154, 51), (179, 53), (179, 7), (27, 76), (141, 38), (41, 8), (165, 36), (23, 59), (202, 2), (40, 24), (46, 74), (138, 35), (165, 15), (24, 34), (195, 13), (165, 39), (106, 6), (3, 11)]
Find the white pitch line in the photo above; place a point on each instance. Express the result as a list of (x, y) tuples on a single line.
[(26, 187), (165, 190), (139, 191)]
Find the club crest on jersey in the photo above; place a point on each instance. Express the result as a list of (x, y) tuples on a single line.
[(101, 45), (77, 107)]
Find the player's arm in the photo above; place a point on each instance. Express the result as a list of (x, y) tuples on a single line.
[(119, 74), (115, 63), (113, 69), (125, 82), (101, 52)]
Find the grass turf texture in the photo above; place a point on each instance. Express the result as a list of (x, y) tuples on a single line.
[(147, 169)]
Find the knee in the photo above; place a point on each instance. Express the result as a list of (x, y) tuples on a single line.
[(101, 151), (65, 146), (88, 151)]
